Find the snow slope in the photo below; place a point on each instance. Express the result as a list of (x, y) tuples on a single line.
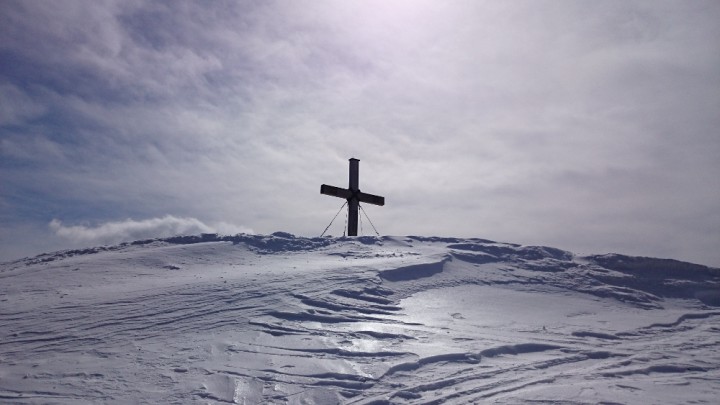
[(289, 320)]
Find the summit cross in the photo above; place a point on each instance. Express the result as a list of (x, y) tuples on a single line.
[(353, 195)]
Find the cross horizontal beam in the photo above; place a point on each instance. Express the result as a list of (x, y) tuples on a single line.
[(335, 191), (349, 194)]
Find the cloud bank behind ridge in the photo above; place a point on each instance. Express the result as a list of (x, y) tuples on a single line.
[(130, 230)]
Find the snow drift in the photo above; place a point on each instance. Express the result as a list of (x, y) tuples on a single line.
[(252, 319)]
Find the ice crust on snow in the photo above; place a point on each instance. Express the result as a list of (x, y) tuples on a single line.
[(253, 319)]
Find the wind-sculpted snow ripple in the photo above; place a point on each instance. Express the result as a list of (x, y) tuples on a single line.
[(393, 320), (661, 277), (202, 307), (415, 271)]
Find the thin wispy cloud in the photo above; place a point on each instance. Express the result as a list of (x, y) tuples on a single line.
[(552, 123)]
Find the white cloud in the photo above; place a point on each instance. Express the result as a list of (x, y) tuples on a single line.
[(129, 229), (531, 122)]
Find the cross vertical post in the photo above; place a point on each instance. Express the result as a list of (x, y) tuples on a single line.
[(353, 195), (353, 203)]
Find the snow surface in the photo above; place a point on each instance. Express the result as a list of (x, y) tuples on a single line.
[(392, 320)]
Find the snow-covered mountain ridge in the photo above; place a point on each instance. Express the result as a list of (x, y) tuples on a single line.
[(285, 319)]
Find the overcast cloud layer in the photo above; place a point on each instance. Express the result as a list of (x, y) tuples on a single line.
[(589, 126)]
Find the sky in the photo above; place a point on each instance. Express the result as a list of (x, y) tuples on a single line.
[(583, 125)]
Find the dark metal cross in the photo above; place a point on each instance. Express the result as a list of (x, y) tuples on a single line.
[(353, 195)]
